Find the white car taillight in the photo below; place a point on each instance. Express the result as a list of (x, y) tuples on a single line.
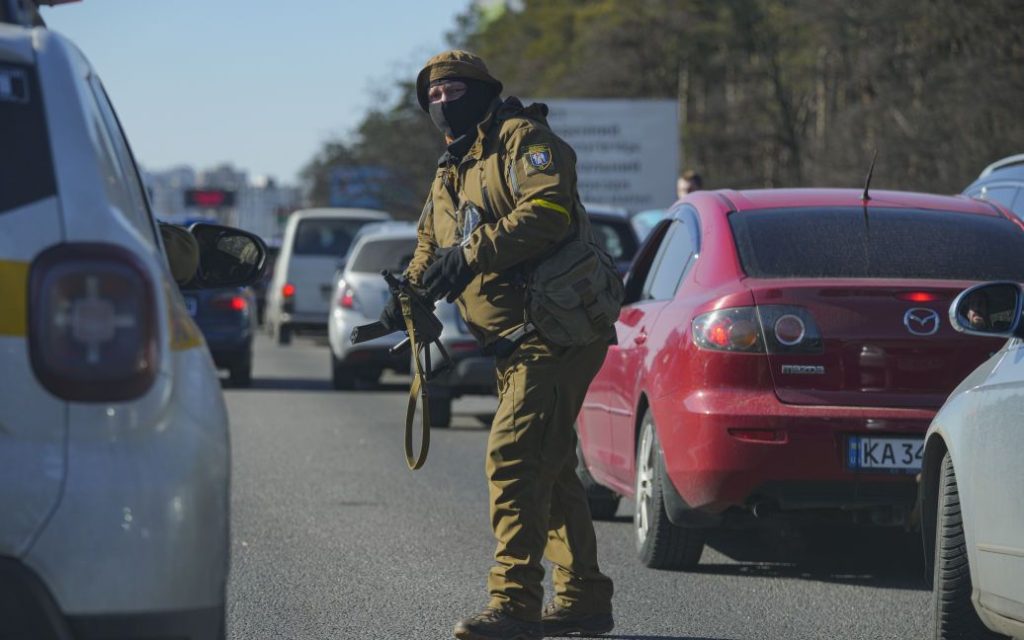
[(92, 323)]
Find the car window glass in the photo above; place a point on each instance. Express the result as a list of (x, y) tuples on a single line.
[(26, 166), (887, 243), (674, 255), (139, 215), (615, 237), (325, 236), (376, 255), (1003, 195)]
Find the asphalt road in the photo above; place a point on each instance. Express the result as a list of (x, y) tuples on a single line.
[(333, 537)]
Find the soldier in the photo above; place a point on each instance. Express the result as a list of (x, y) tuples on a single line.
[(504, 196)]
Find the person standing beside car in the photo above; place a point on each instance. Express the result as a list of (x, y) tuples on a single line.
[(503, 200)]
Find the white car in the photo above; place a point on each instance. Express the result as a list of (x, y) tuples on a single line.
[(315, 241), (972, 482), (360, 294), (114, 451)]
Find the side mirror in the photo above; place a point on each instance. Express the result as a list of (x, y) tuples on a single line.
[(992, 309), (228, 257)]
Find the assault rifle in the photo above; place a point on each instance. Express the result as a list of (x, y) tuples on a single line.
[(423, 329)]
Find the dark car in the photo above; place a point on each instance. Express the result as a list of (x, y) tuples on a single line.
[(1002, 182), (227, 319), (615, 233)]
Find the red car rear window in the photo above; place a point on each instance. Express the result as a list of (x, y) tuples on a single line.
[(884, 243)]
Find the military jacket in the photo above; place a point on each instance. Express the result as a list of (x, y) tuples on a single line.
[(521, 178)]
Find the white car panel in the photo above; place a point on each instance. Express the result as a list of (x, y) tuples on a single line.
[(994, 482), (171, 512), (33, 424)]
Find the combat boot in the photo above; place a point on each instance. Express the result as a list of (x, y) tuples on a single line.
[(559, 621), (494, 624)]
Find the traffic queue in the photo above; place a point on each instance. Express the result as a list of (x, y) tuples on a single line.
[(847, 355)]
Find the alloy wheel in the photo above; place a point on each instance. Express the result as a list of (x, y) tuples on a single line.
[(645, 484)]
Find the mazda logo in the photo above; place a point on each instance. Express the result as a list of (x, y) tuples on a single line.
[(921, 321)]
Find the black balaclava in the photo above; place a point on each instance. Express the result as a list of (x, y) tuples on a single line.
[(461, 116)]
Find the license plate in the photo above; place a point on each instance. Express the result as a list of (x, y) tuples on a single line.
[(864, 453), (191, 305)]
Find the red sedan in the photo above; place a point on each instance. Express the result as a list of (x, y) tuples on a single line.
[(777, 354)]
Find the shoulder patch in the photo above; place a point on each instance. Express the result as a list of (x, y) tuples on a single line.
[(539, 156)]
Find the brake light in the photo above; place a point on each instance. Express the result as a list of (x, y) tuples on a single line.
[(230, 302), (347, 299), (919, 296), (288, 290), (771, 328), (92, 328), (729, 330)]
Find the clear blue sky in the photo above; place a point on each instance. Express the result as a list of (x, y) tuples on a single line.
[(257, 83)]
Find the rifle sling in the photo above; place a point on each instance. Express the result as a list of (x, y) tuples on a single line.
[(417, 388)]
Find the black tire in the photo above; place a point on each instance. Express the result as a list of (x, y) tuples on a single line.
[(342, 377), (602, 501), (955, 616), (240, 375), (282, 334), (659, 543), (440, 409)]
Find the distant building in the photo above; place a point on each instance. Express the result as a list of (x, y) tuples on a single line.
[(261, 205)]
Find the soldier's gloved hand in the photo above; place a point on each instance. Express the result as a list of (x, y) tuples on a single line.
[(449, 274), (391, 317)]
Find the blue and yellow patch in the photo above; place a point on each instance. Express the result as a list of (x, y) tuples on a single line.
[(539, 156)]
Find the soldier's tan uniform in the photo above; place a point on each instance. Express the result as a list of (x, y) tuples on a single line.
[(522, 178)]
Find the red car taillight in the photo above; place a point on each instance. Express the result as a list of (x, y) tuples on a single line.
[(729, 330), (762, 329), (288, 290), (347, 299), (92, 323), (230, 302)]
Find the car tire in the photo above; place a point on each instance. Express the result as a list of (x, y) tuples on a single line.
[(240, 375), (440, 409), (342, 377), (659, 543), (955, 616), (283, 334), (602, 501)]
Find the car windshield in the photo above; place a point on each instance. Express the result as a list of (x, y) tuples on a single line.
[(615, 236), (881, 243), (374, 256), (325, 236)]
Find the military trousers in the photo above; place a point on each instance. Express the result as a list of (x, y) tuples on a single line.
[(538, 505)]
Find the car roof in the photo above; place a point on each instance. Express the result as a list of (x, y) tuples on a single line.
[(750, 200), (16, 44), (606, 210), (397, 230), (341, 213), (1015, 162)]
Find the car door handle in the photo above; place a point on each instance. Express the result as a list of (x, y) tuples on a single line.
[(640, 338)]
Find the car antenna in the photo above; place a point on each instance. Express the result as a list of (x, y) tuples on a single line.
[(867, 182), (864, 199)]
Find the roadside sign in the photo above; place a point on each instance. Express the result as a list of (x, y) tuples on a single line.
[(627, 151)]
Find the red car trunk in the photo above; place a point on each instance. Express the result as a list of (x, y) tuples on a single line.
[(874, 343)]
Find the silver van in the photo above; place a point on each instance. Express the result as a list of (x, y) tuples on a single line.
[(315, 241)]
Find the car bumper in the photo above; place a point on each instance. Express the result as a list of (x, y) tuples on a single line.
[(713, 468), (229, 347), (469, 375)]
